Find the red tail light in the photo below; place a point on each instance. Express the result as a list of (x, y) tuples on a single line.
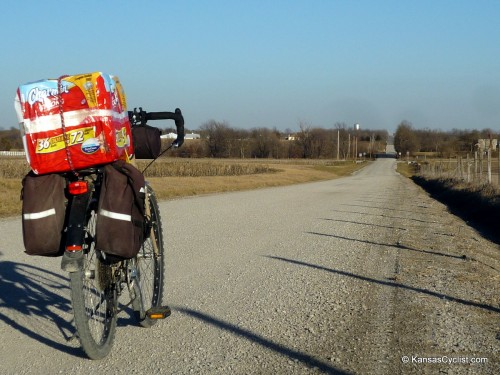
[(78, 187), (73, 248)]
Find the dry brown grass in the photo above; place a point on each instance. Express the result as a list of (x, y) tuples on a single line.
[(282, 174), (201, 168), (172, 178), (10, 201), (12, 170), (407, 170)]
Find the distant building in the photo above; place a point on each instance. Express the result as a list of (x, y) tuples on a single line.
[(192, 136), (169, 136), (174, 136)]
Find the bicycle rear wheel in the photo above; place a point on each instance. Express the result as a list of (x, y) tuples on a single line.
[(149, 264), (94, 299)]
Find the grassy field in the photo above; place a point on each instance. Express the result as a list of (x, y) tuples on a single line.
[(173, 178), (406, 169)]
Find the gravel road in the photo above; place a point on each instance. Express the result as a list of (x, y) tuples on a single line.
[(343, 276)]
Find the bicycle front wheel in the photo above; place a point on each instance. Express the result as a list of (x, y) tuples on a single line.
[(94, 299), (149, 263)]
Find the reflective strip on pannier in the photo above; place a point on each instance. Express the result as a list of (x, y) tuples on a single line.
[(115, 215), (39, 215)]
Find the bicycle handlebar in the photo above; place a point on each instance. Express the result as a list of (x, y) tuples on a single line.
[(140, 117)]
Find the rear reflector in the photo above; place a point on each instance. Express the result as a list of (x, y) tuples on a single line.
[(78, 187), (74, 248)]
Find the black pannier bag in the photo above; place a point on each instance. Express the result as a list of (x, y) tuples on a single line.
[(147, 141), (44, 206), (120, 215)]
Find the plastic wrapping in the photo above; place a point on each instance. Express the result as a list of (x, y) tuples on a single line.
[(81, 122)]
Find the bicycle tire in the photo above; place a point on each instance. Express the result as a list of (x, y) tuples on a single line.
[(150, 265), (94, 299)]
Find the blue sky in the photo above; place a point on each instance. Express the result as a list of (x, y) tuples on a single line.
[(435, 63)]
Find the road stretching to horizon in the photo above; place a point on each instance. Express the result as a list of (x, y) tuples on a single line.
[(352, 275)]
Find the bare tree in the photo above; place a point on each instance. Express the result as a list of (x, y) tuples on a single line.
[(305, 140), (343, 135), (405, 138), (264, 141), (219, 138)]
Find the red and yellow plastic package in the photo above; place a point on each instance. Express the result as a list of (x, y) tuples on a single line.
[(73, 122)]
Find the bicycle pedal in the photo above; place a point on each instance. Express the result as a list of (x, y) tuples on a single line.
[(158, 312)]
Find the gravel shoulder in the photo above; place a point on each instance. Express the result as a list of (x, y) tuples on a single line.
[(341, 276)]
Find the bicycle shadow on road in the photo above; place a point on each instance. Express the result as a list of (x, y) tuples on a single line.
[(248, 335), (441, 296), (30, 303)]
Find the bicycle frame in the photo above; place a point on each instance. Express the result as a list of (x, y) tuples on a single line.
[(84, 190), (97, 278), (80, 195)]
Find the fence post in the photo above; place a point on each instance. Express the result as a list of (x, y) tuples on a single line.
[(475, 165), (489, 164), (468, 168), (481, 167), (460, 169)]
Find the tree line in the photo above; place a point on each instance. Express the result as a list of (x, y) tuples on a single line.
[(220, 140), (408, 140)]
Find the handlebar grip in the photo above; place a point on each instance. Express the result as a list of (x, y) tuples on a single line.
[(142, 117), (176, 116)]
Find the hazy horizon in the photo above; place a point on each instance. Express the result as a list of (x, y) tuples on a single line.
[(271, 64)]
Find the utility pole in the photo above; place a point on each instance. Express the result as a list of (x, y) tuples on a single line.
[(338, 144), (349, 146), (356, 128)]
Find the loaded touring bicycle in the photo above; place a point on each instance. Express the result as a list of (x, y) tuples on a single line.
[(85, 201)]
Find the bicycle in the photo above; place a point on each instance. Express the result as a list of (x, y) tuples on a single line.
[(98, 280)]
